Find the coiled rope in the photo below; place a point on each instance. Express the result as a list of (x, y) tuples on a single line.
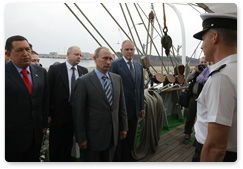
[(151, 125)]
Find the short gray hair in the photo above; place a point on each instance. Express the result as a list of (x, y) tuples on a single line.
[(70, 49), (229, 36), (125, 41), (97, 51)]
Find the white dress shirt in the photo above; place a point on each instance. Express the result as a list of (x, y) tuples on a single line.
[(70, 72), (127, 63)]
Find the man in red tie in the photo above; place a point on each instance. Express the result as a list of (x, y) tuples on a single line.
[(26, 103)]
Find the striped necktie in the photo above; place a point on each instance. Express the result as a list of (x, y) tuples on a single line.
[(107, 89)]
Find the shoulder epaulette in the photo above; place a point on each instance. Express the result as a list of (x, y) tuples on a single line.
[(217, 70)]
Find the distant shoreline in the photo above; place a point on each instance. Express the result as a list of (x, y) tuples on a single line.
[(59, 57)]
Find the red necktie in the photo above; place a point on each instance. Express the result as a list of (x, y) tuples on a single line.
[(27, 80)]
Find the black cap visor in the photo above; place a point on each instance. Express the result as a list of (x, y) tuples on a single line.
[(216, 23), (200, 34)]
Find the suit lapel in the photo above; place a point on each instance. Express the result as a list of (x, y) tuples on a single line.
[(114, 83), (15, 76), (137, 71), (80, 73), (64, 75), (34, 76), (126, 69), (96, 83)]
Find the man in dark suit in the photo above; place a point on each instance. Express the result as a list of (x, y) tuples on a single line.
[(131, 73), (99, 110), (61, 92), (26, 103)]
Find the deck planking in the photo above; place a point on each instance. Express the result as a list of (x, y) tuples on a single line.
[(172, 148)]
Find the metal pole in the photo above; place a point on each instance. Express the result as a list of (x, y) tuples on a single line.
[(182, 32)]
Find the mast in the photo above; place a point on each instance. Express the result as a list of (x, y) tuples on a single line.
[(182, 32)]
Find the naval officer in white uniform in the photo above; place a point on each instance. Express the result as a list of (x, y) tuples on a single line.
[(216, 125)]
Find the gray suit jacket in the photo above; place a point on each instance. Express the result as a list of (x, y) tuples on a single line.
[(94, 119)]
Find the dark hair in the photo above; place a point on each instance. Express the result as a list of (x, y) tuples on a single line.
[(34, 52), (31, 46), (11, 39)]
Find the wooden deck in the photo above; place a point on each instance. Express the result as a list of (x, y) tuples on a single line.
[(172, 148)]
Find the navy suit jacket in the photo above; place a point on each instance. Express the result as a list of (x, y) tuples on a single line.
[(25, 114), (133, 89)]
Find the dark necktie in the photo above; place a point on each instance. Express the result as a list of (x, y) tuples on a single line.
[(131, 69), (107, 89), (27, 80), (73, 79)]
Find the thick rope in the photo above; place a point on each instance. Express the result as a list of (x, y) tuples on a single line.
[(164, 16), (152, 125)]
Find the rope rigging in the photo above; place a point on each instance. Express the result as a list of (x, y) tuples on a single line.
[(134, 27), (130, 30), (150, 36), (82, 23), (96, 29)]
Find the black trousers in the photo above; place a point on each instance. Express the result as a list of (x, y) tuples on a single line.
[(61, 142), (124, 147), (30, 155), (191, 114), (229, 156)]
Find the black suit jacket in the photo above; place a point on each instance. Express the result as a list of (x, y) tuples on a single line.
[(60, 108), (25, 114)]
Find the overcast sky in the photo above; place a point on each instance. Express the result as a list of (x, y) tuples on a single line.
[(51, 27)]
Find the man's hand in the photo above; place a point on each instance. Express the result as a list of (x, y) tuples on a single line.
[(196, 69), (49, 121), (142, 115), (123, 135), (83, 145), (202, 76)]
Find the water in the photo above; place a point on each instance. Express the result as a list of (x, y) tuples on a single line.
[(47, 62)]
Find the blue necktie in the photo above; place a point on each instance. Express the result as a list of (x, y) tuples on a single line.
[(107, 89)]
